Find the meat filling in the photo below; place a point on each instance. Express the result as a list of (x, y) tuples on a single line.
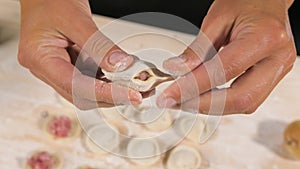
[(143, 76), (41, 160), (60, 126)]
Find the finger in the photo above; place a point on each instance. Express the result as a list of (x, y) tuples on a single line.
[(246, 93), (88, 66), (80, 103), (199, 51), (69, 79), (85, 65), (230, 62), (73, 51), (212, 36), (95, 44), (103, 53), (91, 69)]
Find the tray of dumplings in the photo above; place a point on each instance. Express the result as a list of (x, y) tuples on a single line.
[(117, 137)]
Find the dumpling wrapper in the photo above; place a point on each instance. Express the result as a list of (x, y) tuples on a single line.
[(144, 152), (184, 157), (101, 139), (129, 77)]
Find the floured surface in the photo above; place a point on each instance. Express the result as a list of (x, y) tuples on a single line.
[(241, 141)]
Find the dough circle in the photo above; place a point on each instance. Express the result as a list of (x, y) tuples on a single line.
[(101, 139), (184, 157), (144, 152)]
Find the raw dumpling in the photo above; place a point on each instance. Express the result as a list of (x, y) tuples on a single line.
[(43, 159), (141, 76), (143, 152), (184, 157), (101, 139)]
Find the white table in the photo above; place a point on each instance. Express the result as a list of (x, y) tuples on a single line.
[(241, 141)]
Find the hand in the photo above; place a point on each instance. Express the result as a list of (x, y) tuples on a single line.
[(51, 30), (258, 49)]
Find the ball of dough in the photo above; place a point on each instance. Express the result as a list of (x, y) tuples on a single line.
[(292, 139)]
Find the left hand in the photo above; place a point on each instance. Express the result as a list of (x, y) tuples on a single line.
[(51, 36), (258, 49)]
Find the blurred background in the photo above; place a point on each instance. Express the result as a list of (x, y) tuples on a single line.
[(192, 10)]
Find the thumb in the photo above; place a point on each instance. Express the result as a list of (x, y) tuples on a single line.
[(94, 44), (210, 39)]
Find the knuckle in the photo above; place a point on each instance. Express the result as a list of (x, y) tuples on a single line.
[(277, 33), (291, 57), (287, 57), (22, 57)]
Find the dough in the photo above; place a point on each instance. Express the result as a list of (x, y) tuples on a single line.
[(292, 139), (87, 167), (142, 76), (143, 152), (101, 139), (160, 122), (184, 157), (191, 126)]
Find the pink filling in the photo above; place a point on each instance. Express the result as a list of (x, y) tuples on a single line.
[(41, 160), (143, 76), (60, 126)]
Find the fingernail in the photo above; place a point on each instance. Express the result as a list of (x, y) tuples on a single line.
[(169, 102), (116, 56), (120, 60), (135, 97), (177, 65), (177, 60), (163, 102)]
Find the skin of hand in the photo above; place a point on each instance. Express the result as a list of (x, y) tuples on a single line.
[(257, 49), (49, 29)]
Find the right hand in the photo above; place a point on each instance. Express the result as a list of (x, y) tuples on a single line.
[(48, 29)]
